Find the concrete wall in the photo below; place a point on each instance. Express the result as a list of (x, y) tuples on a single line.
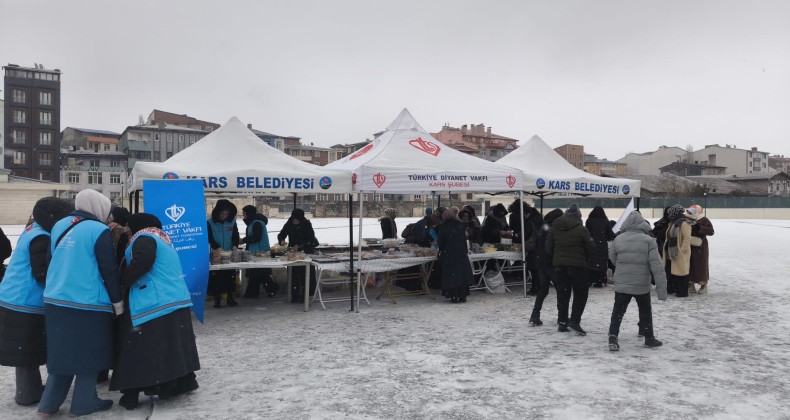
[(16, 205)]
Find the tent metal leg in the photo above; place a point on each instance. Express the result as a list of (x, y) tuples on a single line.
[(351, 247), (359, 245), (523, 251)]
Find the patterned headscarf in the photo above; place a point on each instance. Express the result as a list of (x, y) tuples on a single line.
[(675, 212)]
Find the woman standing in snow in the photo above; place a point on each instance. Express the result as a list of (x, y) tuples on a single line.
[(456, 272), (635, 254), (155, 342), (700, 230), (223, 234), (545, 267), (389, 230), (601, 231), (677, 250)]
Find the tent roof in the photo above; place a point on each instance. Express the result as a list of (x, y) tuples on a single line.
[(545, 171), (233, 159), (406, 159)]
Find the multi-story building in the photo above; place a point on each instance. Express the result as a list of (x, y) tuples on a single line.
[(274, 140), (650, 163), (573, 153), (600, 167), (737, 161), (182, 120), (476, 140), (157, 142), (32, 121), (780, 163), (91, 159), (692, 169)]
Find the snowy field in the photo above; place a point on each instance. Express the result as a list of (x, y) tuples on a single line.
[(726, 355)]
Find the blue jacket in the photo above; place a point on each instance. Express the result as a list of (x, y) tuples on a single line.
[(19, 291), (222, 233), (161, 290), (263, 244), (75, 280)]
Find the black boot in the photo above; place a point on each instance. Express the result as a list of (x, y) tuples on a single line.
[(217, 302), (535, 321), (562, 327), (231, 301), (613, 344), (129, 400), (652, 342), (577, 328)]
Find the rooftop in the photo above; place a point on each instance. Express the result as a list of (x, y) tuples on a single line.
[(92, 131)]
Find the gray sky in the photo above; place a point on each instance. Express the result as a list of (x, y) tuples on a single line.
[(615, 76)]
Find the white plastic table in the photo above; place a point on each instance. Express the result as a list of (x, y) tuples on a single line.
[(272, 264)]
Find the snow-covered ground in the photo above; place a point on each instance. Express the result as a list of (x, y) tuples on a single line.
[(725, 354)]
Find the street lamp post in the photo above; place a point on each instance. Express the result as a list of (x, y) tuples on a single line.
[(705, 210)]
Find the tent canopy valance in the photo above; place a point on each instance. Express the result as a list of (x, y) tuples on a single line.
[(405, 159), (546, 172), (233, 160)]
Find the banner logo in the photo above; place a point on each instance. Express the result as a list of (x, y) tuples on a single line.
[(540, 183), (511, 181), (425, 146), (170, 175), (379, 179), (361, 151), (175, 212), (325, 182), (626, 189)]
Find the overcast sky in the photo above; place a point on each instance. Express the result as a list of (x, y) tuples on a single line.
[(615, 76)]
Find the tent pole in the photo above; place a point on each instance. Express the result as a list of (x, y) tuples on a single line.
[(541, 204), (523, 251), (351, 247), (294, 201), (637, 203), (359, 246), (439, 201), (137, 201)]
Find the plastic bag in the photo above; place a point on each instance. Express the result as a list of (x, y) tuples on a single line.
[(495, 282)]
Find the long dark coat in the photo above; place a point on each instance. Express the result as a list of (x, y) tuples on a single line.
[(699, 270), (23, 340), (601, 231), (456, 269)]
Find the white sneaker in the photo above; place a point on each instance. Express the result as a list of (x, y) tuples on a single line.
[(703, 290), (692, 289)]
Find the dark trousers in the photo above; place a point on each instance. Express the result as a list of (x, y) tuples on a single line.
[(222, 281), (256, 278), (546, 278), (569, 279), (598, 277), (28, 385), (621, 301), (297, 283), (534, 271), (680, 283), (84, 400)]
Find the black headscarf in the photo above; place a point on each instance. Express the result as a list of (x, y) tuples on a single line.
[(141, 221), (597, 212), (120, 215), (49, 210), (298, 214)]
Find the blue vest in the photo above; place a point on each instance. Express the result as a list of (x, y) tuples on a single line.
[(223, 233), (263, 244), (161, 290), (19, 291), (74, 280)]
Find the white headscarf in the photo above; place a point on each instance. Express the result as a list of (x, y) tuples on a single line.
[(93, 202)]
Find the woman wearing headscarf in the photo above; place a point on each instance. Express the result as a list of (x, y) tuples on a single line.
[(79, 300), (677, 250), (545, 267), (23, 341), (472, 229), (156, 351), (533, 221), (456, 271), (389, 229), (257, 240), (223, 234), (701, 228), (119, 229), (301, 237), (600, 229)]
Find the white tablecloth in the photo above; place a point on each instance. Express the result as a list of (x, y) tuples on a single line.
[(379, 265), (499, 255)]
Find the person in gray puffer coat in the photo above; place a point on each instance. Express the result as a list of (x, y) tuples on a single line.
[(635, 254)]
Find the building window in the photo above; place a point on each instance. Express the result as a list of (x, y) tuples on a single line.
[(94, 163), (19, 136), (338, 197), (45, 118), (105, 147), (470, 196), (20, 96), (45, 98), (45, 158), (94, 178), (169, 155), (74, 178), (19, 117), (20, 158), (181, 142), (417, 197), (115, 163), (115, 179), (191, 140), (45, 138), (115, 197), (45, 176), (157, 156)]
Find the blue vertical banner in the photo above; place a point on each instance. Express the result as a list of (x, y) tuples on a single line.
[(181, 206)]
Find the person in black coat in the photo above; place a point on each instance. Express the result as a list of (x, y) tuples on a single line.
[(5, 247), (456, 273), (660, 230), (495, 226), (301, 237), (223, 281), (600, 229), (23, 343), (258, 235), (533, 221), (389, 229), (158, 357), (545, 267)]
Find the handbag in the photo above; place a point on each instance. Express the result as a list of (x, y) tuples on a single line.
[(529, 244)]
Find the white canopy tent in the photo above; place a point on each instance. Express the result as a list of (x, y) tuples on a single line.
[(406, 159), (545, 172), (233, 159)]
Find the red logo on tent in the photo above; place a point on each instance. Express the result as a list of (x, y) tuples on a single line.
[(425, 146), (354, 178), (361, 151), (379, 179), (511, 181)]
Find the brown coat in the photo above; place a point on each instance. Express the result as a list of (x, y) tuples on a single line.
[(699, 272), (681, 263)]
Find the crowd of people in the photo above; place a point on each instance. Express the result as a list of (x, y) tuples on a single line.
[(91, 288)]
